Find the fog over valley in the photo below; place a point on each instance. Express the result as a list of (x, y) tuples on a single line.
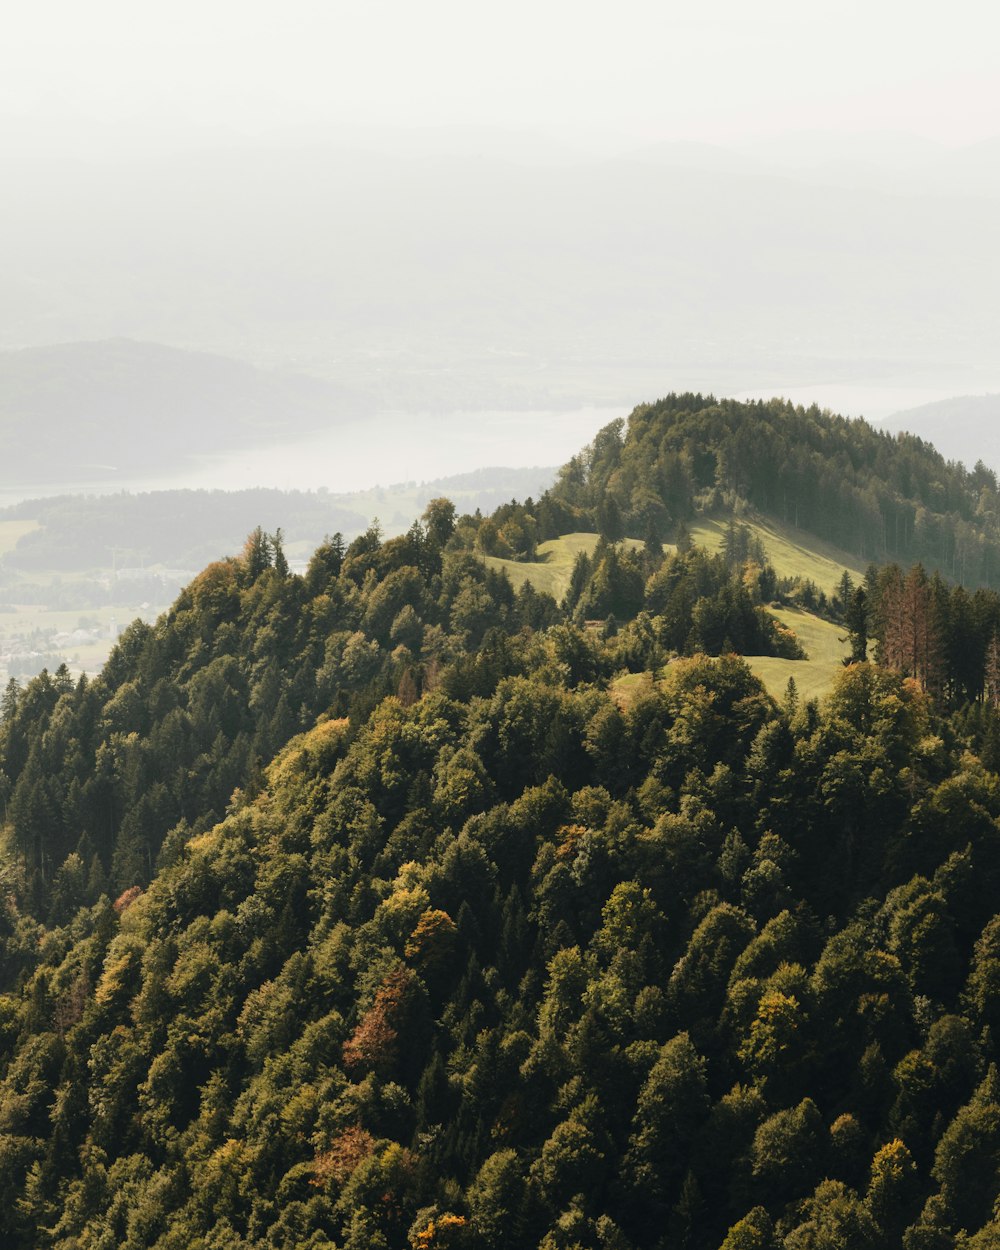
[(473, 279)]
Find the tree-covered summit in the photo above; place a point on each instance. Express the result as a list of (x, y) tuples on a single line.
[(878, 495)]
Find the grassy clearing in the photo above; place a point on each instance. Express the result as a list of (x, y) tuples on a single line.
[(792, 552), (554, 567), (786, 550), (627, 687), (814, 676), (11, 532)]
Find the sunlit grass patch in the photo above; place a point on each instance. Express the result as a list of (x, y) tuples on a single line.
[(553, 569), (11, 533), (792, 552)]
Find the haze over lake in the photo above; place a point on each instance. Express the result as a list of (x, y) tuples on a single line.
[(394, 446)]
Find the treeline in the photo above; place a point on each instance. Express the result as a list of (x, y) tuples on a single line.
[(941, 635), (883, 497)]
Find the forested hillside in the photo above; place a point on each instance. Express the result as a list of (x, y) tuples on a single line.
[(388, 906), (881, 496)]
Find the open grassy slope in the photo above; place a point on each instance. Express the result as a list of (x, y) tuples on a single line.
[(554, 567), (813, 676), (825, 651), (792, 552)]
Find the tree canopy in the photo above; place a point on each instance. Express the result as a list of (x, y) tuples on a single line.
[(371, 908)]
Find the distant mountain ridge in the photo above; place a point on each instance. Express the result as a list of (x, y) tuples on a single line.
[(99, 410), (187, 528), (965, 428)]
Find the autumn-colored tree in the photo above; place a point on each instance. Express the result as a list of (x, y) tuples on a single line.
[(375, 1043), (911, 633)]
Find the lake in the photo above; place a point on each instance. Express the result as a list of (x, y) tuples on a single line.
[(388, 448), (393, 447)]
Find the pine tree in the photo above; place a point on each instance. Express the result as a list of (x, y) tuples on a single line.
[(276, 543), (856, 619), (256, 556), (992, 671), (610, 525)]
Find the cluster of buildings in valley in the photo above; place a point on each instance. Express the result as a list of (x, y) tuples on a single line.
[(84, 649), (170, 580), (28, 643)]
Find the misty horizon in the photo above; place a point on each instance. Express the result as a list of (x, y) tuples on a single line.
[(447, 212)]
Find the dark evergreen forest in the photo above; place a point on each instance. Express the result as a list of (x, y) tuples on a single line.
[(365, 909)]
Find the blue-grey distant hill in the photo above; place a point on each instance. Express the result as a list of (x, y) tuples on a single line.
[(188, 528), (99, 411), (965, 428)]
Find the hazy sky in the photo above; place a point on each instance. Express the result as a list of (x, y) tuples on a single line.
[(92, 73), (434, 285)]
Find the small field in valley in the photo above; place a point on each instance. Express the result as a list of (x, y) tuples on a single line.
[(11, 533)]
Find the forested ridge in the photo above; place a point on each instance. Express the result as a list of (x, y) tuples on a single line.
[(369, 907), (878, 495)]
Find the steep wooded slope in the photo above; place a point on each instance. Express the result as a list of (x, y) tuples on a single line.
[(355, 910)]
